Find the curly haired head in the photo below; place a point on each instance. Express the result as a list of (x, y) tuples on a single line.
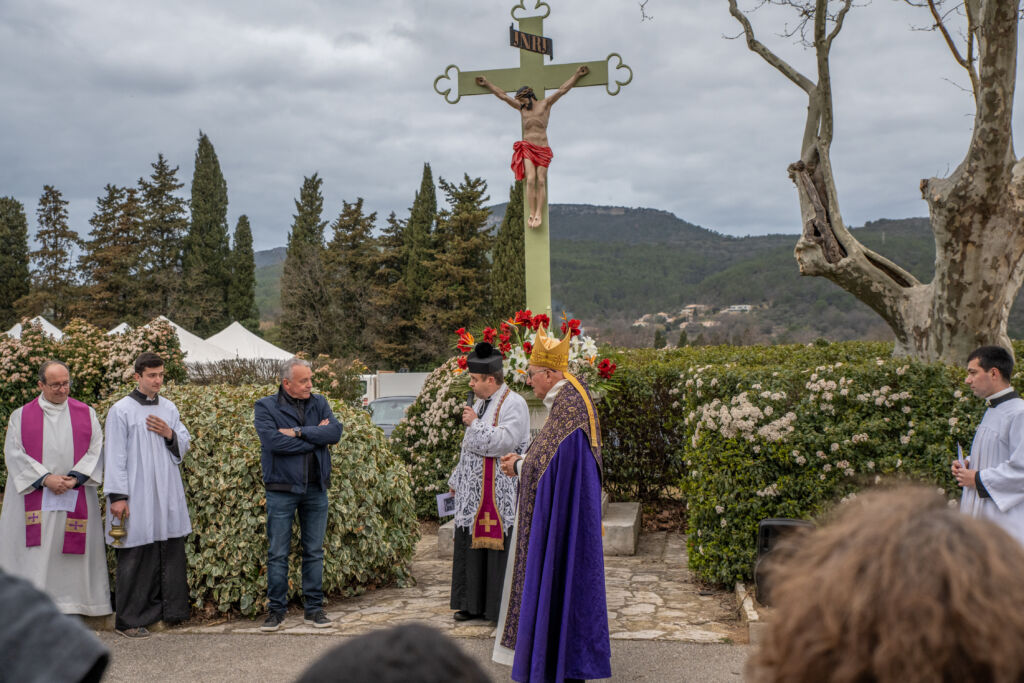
[(899, 587)]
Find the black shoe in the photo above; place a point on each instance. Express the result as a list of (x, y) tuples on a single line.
[(140, 632), (274, 622), (317, 619), (463, 615)]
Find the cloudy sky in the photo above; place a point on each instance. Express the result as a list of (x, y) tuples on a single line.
[(91, 92)]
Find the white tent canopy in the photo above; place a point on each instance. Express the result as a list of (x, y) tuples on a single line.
[(120, 329), (244, 344), (196, 349), (49, 329)]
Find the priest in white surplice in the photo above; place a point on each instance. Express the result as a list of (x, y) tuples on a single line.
[(993, 477), (51, 531), (146, 443), (497, 421)]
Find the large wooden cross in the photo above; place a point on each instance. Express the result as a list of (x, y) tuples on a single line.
[(533, 72)]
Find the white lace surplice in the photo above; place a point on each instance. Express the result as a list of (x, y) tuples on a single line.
[(484, 440)]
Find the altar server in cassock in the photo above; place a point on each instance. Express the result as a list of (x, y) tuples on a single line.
[(556, 617), (146, 443), (51, 531), (993, 477), (497, 422)]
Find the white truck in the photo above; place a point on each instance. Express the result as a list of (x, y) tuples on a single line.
[(384, 384)]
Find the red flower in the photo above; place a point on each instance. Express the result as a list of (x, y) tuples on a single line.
[(461, 331), (506, 328), (606, 368), (489, 333), (540, 319), (463, 363), (524, 318), (573, 325), (528, 348), (504, 347), (504, 338)]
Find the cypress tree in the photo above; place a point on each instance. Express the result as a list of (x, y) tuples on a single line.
[(350, 261), (459, 271), (392, 321), (306, 309), (659, 339), (54, 286), (164, 227), (242, 290), (508, 271), (14, 273), (419, 233), (207, 270), (112, 258)]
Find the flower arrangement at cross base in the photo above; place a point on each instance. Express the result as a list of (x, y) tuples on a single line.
[(515, 337)]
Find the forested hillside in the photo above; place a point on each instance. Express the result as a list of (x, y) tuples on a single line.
[(614, 264)]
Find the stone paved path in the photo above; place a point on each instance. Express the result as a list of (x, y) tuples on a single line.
[(651, 596)]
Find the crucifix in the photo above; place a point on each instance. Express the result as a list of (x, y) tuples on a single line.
[(530, 80)]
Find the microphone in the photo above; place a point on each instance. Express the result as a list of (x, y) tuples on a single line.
[(470, 399)]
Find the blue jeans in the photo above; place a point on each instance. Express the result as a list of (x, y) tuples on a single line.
[(312, 508)]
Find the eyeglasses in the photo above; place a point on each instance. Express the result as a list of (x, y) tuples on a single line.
[(57, 386), (531, 373)]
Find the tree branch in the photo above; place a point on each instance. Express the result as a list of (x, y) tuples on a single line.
[(774, 60), (839, 23)]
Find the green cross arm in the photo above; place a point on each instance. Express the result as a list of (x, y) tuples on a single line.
[(547, 77)]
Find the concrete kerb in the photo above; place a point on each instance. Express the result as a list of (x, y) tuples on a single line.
[(752, 613)]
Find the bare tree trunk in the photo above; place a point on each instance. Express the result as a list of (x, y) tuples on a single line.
[(977, 214)]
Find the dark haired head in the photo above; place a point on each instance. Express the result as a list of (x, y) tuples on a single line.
[(411, 652), (146, 360), (997, 357)]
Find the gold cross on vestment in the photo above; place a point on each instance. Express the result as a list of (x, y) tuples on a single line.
[(32, 517), (74, 525), (486, 522)]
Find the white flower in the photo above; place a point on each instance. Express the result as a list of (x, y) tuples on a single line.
[(801, 460), (723, 522), (719, 509)]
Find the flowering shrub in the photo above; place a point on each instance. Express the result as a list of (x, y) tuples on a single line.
[(429, 438), (332, 377), (790, 439)]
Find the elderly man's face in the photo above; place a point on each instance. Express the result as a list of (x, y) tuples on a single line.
[(300, 385), (541, 379), (57, 385)]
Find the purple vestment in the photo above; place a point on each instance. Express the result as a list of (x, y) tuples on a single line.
[(557, 617)]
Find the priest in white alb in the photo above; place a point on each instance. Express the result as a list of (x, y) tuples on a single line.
[(146, 443), (51, 531), (993, 477)]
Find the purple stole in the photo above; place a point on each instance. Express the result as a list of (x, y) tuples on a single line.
[(487, 528), (32, 440)]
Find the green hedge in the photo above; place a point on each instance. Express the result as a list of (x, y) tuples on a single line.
[(371, 530), (791, 439)]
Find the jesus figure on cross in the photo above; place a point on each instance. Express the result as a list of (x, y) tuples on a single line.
[(532, 154)]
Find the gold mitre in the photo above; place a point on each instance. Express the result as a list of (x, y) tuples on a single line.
[(548, 352)]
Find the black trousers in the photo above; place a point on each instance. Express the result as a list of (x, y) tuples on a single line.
[(477, 576), (150, 584)]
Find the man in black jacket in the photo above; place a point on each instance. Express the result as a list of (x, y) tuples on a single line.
[(297, 429)]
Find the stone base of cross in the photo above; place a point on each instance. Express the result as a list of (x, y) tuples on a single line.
[(533, 72)]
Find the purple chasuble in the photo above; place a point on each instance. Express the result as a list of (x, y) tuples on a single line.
[(557, 619), (32, 441)]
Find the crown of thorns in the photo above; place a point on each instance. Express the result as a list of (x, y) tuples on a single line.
[(525, 91)]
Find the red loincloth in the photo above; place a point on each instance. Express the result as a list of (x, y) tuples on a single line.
[(540, 156)]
